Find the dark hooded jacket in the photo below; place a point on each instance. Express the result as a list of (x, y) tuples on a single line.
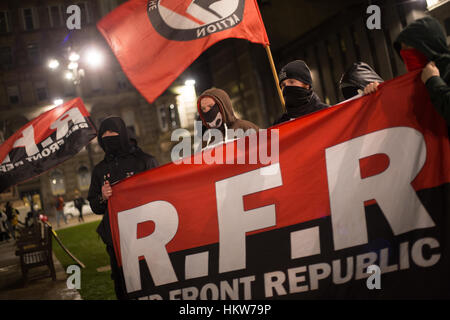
[(226, 109), (428, 36), (115, 167), (357, 77)]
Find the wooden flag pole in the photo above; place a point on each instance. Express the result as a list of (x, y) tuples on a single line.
[(275, 76)]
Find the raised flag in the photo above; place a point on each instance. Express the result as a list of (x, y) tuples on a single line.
[(45, 142), (156, 40), (358, 186)]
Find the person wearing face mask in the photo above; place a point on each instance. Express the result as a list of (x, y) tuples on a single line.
[(296, 84), (423, 45), (216, 112), (122, 159), (356, 78)]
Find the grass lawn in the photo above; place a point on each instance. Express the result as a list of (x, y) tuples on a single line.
[(85, 244)]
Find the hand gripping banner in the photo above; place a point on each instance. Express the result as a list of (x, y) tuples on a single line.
[(361, 185), (45, 142)]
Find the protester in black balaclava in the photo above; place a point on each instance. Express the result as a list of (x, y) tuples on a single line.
[(122, 159), (356, 78), (296, 84)]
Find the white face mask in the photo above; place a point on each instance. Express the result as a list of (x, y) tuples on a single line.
[(217, 122)]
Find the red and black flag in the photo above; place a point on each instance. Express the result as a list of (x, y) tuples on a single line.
[(45, 142), (156, 40)]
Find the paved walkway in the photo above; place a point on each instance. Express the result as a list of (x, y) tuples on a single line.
[(11, 282)]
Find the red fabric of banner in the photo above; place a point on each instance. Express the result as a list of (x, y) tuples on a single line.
[(304, 194), (155, 41)]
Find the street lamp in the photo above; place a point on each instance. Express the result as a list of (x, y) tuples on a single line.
[(53, 64), (73, 73), (94, 58), (57, 101)]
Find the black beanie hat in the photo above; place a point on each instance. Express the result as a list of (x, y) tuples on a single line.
[(298, 70)]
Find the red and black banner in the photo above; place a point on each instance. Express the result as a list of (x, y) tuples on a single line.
[(364, 183), (45, 142), (156, 40)]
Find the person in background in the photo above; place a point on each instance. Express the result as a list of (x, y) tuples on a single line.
[(3, 229), (122, 159), (11, 221), (60, 210), (79, 202), (356, 78)]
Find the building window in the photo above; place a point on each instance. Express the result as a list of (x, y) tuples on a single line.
[(57, 183), (84, 178), (34, 56), (69, 88), (4, 22), (6, 56), (162, 117), (122, 81), (13, 94), (29, 19), (96, 82), (85, 14), (168, 117), (55, 15), (41, 91), (130, 121)]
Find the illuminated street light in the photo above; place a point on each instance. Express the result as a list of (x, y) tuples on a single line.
[(53, 64), (189, 82), (57, 101), (94, 58), (431, 3), (72, 66), (68, 75), (74, 57)]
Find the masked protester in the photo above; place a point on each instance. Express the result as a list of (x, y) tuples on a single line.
[(216, 112), (296, 84), (423, 45), (356, 78), (122, 159)]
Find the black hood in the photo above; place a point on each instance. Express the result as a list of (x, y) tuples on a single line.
[(358, 76), (428, 36), (115, 124)]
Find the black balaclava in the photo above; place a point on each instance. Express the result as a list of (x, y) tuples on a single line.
[(357, 77), (114, 145), (297, 99), (213, 117)]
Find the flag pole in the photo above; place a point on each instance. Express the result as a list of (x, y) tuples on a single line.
[(275, 76)]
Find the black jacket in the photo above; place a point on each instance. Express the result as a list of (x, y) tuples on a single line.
[(118, 167), (427, 36), (314, 105), (79, 202)]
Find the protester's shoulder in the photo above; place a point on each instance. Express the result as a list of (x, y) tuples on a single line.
[(99, 168), (148, 158), (284, 117), (244, 124)]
